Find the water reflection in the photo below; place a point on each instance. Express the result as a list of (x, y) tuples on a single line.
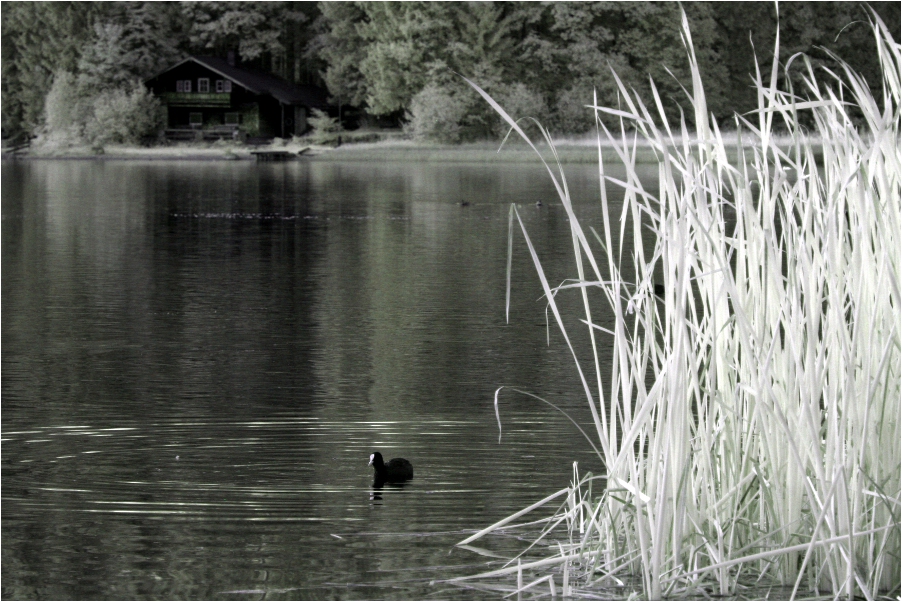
[(380, 484), (196, 357)]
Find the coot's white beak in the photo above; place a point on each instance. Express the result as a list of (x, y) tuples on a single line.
[(371, 459)]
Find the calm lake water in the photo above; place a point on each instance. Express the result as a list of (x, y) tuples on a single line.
[(199, 357)]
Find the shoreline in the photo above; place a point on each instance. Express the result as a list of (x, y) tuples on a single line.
[(572, 150), (481, 152), (477, 153)]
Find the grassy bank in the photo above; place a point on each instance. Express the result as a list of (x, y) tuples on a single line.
[(405, 151), (749, 422), (569, 151)]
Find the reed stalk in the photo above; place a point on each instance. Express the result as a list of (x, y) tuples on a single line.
[(749, 423)]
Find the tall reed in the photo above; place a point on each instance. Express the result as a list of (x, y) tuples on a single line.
[(768, 440)]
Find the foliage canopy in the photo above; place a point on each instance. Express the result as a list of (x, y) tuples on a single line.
[(379, 58)]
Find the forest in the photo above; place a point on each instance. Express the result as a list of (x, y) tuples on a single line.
[(399, 63)]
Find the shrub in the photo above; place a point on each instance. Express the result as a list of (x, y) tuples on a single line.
[(570, 115), (437, 114), (441, 112), (76, 114), (123, 115), (325, 129), (520, 102)]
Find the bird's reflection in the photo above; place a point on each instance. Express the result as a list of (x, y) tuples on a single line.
[(379, 484)]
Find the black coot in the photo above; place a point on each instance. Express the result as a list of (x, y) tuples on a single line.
[(397, 469)]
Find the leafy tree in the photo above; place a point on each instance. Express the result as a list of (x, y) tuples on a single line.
[(66, 111), (394, 71), (560, 51), (104, 43), (521, 102), (104, 100)]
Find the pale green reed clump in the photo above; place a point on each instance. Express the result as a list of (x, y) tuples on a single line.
[(750, 428)]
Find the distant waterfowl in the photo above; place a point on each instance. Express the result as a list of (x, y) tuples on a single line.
[(465, 203), (538, 203), (397, 469)]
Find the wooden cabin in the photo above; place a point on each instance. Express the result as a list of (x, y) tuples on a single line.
[(208, 97)]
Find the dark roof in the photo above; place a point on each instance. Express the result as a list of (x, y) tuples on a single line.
[(260, 83)]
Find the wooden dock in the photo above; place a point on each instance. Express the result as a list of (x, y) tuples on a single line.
[(14, 151), (277, 155)]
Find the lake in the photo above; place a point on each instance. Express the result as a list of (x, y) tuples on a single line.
[(199, 357)]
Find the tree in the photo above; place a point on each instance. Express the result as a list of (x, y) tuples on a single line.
[(105, 43), (576, 46), (483, 39), (403, 42), (258, 31), (384, 54), (77, 114), (381, 55), (841, 27), (107, 62), (155, 35), (66, 111), (39, 39)]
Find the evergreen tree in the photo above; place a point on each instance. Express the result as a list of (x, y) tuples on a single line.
[(133, 41), (39, 39), (258, 31), (107, 61), (341, 47), (404, 41), (155, 34), (380, 55), (576, 47)]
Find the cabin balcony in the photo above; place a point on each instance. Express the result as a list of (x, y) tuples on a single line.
[(196, 134), (197, 99)]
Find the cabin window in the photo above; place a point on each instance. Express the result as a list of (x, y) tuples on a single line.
[(195, 119), (223, 85), (231, 118), (203, 85), (183, 85)]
